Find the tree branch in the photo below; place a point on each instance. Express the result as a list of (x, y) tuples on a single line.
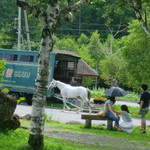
[(29, 7), (73, 7), (141, 15)]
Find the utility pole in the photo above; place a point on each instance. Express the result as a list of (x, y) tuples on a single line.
[(19, 28), (80, 22), (20, 38), (27, 30)]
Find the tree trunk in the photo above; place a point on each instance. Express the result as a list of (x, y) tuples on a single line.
[(48, 18), (39, 98)]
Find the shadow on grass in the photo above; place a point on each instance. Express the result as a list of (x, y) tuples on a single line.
[(4, 130)]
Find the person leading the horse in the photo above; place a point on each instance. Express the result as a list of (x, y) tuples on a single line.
[(73, 82)]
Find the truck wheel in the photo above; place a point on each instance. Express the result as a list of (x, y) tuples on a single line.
[(29, 99), (29, 102)]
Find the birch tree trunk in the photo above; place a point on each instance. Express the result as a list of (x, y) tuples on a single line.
[(39, 98), (48, 19)]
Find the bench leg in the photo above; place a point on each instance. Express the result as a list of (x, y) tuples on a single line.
[(109, 124), (88, 123)]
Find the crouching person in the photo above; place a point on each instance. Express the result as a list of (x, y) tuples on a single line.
[(127, 124)]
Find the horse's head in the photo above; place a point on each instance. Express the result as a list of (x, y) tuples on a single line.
[(52, 84)]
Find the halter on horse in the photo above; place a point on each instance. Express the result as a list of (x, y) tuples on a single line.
[(68, 91)]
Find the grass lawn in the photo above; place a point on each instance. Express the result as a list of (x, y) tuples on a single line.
[(17, 140), (133, 111), (104, 139)]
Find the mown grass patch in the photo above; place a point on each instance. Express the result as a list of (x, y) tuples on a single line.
[(18, 139), (133, 111), (100, 130)]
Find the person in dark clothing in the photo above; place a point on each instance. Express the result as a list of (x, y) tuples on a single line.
[(144, 106), (73, 82)]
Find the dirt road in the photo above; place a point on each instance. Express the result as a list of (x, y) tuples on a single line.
[(66, 116)]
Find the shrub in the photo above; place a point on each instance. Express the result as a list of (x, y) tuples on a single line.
[(101, 93), (2, 68)]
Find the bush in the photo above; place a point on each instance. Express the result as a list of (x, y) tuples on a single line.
[(2, 68), (131, 96), (101, 93), (98, 93)]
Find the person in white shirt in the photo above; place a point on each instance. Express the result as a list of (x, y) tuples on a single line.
[(127, 124)]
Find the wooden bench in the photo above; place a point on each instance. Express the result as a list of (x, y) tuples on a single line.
[(89, 117)]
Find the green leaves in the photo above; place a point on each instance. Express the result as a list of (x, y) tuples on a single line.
[(111, 69), (2, 68), (20, 100), (136, 53)]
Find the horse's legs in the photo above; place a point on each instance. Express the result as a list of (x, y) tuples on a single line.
[(89, 106), (65, 104), (82, 101), (81, 106), (85, 100)]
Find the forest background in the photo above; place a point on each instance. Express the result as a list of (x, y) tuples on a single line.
[(106, 35)]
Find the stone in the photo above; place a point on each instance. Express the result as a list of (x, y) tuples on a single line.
[(7, 107)]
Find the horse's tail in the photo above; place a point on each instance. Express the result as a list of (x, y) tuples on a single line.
[(89, 98), (89, 94)]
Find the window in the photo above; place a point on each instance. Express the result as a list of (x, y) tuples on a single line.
[(15, 57), (31, 58), (70, 65), (11, 57), (26, 58), (1, 56), (8, 57)]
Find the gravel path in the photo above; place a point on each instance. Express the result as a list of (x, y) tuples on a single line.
[(97, 140)]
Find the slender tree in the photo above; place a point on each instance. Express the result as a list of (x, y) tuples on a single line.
[(48, 12), (141, 9)]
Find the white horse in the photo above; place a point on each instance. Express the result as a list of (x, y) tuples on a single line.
[(68, 91)]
